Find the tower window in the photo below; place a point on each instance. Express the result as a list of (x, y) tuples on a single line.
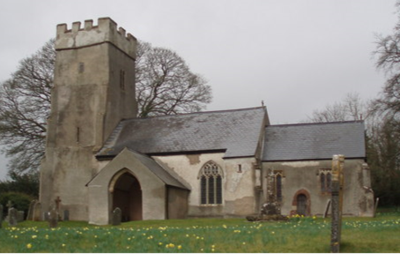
[(210, 177), (122, 79)]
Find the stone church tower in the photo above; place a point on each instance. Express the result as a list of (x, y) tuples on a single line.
[(94, 88)]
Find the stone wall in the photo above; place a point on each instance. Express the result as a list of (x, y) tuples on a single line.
[(239, 196), (303, 177)]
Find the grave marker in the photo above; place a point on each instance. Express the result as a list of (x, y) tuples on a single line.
[(53, 218), (20, 216), (37, 212), (12, 217), (31, 209), (66, 215), (116, 216)]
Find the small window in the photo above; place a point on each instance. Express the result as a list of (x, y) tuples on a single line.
[(210, 184), (278, 186), (325, 178), (122, 79)]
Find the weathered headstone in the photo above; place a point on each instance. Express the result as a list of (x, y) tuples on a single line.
[(45, 216), (116, 216), (20, 216), (1, 215), (328, 205), (66, 215), (12, 216), (31, 209), (37, 212), (53, 218), (337, 201)]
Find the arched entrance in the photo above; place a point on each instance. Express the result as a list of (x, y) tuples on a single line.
[(127, 195), (301, 204)]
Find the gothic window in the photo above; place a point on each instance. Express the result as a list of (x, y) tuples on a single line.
[(210, 177), (325, 177), (323, 182), (277, 184), (278, 187)]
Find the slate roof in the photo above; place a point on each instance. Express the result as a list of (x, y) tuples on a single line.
[(159, 171), (314, 141), (234, 131)]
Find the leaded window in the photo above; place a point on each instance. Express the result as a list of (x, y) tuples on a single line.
[(325, 178), (210, 184), (278, 186)]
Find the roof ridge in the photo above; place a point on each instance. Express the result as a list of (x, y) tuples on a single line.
[(196, 113), (318, 123)]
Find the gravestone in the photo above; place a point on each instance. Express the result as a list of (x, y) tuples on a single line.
[(12, 217), (37, 212), (328, 205), (116, 216), (45, 216), (337, 201), (66, 215), (31, 209), (53, 218), (1, 215), (20, 216)]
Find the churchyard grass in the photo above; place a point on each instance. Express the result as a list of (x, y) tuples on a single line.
[(381, 234)]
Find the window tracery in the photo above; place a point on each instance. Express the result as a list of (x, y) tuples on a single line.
[(210, 184)]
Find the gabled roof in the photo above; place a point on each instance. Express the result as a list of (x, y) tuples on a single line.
[(315, 141), (235, 132)]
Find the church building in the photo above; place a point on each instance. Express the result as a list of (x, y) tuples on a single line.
[(226, 163)]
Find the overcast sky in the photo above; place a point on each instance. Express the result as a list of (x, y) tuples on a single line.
[(296, 56)]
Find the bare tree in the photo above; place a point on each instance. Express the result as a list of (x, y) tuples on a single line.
[(164, 86), (24, 107), (350, 108), (388, 60)]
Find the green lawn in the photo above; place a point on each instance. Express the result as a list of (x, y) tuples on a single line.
[(381, 234)]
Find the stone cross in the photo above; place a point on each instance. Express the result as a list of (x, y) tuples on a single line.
[(58, 201), (116, 216), (9, 204), (337, 201), (12, 216)]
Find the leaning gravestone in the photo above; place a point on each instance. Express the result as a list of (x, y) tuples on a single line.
[(337, 201), (53, 218), (12, 216), (31, 209), (1, 215), (116, 216), (37, 212)]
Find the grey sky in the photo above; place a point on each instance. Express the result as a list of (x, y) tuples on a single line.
[(297, 56)]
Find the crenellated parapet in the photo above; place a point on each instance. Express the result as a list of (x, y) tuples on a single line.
[(105, 31)]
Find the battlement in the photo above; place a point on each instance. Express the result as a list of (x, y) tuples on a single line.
[(105, 31)]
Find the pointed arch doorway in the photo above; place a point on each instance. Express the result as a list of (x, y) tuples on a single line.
[(127, 195)]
